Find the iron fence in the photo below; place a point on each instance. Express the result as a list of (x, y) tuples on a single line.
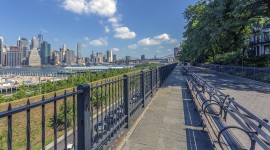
[(90, 116), (255, 73)]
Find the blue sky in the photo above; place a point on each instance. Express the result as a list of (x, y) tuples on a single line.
[(129, 27)]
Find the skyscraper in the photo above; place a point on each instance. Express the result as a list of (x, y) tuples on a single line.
[(143, 57), (1, 49), (13, 56), (40, 40), (70, 57), (109, 56), (34, 58), (79, 51), (114, 57), (45, 53), (24, 46), (34, 43)]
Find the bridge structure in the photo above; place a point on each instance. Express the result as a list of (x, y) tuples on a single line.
[(170, 107)]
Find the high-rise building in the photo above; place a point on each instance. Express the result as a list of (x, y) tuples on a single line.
[(34, 43), (34, 58), (1, 49), (13, 56), (79, 51), (142, 57), (64, 48), (24, 46), (127, 59), (114, 57), (92, 56), (55, 56), (109, 56), (40, 40), (99, 58), (70, 57), (45, 53)]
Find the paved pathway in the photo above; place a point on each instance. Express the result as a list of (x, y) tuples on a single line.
[(170, 122), (253, 95)]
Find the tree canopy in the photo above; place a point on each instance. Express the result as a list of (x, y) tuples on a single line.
[(217, 27)]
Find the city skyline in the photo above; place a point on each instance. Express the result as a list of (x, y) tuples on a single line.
[(124, 27)]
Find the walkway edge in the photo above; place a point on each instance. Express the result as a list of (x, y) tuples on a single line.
[(131, 130)]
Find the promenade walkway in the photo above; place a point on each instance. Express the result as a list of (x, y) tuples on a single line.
[(253, 95), (169, 121)]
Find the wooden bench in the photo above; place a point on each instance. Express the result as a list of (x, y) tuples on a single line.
[(230, 125)]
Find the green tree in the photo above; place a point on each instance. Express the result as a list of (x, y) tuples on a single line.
[(217, 27), (60, 122)]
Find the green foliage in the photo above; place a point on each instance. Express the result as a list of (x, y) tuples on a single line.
[(220, 27), (61, 117), (73, 80), (148, 65)]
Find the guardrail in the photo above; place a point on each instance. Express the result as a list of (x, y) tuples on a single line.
[(230, 125), (98, 112), (255, 73)]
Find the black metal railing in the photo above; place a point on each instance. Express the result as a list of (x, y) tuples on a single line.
[(231, 124), (89, 117)]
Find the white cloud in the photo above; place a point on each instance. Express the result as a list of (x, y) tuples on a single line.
[(124, 33), (162, 37), (99, 42), (156, 40), (106, 29), (105, 8), (169, 50), (115, 49), (76, 6), (55, 39), (102, 7), (148, 41), (133, 46)]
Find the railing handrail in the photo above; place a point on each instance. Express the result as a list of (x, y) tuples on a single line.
[(237, 111), (37, 104)]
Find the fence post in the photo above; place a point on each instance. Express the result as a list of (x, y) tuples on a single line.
[(151, 82), (159, 76), (126, 99), (83, 117), (142, 88), (156, 78)]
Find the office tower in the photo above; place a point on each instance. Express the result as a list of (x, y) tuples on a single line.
[(127, 59), (45, 53), (70, 57), (109, 56), (13, 56), (142, 57), (1, 49), (64, 49), (92, 57), (40, 40), (99, 58), (55, 56), (24, 46), (114, 57), (34, 58), (34, 43), (79, 51)]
